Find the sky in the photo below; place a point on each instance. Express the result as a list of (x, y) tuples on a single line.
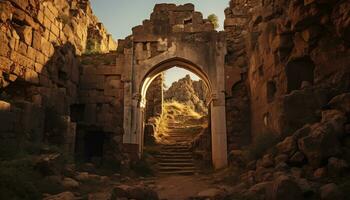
[(120, 16), (176, 73)]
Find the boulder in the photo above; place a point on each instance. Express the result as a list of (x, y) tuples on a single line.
[(70, 183), (320, 173), (331, 192), (285, 188), (320, 144), (211, 194), (266, 162), (48, 164), (336, 167), (258, 191), (133, 192), (288, 145), (298, 159), (336, 119), (341, 102), (61, 196), (281, 158)]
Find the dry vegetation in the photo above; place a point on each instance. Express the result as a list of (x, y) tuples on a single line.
[(173, 111)]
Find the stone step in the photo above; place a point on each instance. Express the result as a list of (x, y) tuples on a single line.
[(175, 147), (174, 156), (174, 168), (175, 164), (171, 153), (179, 172), (187, 160), (176, 150)]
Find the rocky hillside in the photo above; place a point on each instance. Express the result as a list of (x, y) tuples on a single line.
[(187, 91), (312, 163)]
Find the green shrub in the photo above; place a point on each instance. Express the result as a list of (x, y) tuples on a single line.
[(65, 19)]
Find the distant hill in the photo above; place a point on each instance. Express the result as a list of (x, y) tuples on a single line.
[(189, 92)]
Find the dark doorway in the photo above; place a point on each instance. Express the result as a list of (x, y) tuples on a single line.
[(94, 144), (297, 71)]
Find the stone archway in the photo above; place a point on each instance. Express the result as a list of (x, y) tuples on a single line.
[(165, 41)]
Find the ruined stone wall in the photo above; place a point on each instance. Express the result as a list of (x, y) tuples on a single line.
[(99, 110), (154, 97), (293, 56), (39, 69)]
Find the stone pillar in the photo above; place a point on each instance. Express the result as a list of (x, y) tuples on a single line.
[(218, 135)]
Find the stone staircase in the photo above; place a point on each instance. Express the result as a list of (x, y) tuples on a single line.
[(176, 157)]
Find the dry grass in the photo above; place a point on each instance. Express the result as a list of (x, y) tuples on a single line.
[(175, 112), (175, 108)]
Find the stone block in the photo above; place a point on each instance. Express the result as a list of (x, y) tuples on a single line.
[(107, 70), (45, 46), (113, 83), (38, 67), (237, 21), (186, 7), (53, 37), (37, 40), (4, 48), (49, 15), (22, 48), (6, 11), (5, 64), (47, 23), (31, 53), (21, 60), (40, 17), (31, 76), (90, 113), (40, 58), (5, 106), (89, 69), (25, 33), (53, 9), (55, 30), (92, 82), (112, 92), (14, 41), (23, 4), (7, 120)]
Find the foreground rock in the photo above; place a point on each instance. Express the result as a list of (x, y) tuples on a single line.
[(61, 196), (133, 192)]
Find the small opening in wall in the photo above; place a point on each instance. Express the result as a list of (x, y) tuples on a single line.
[(297, 71), (94, 142), (62, 75), (144, 46), (266, 119), (261, 71), (77, 112), (271, 91), (188, 21)]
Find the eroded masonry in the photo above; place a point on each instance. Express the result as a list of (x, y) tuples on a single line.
[(277, 67)]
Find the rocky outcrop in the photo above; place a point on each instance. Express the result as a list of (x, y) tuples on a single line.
[(40, 42), (302, 161), (189, 92), (292, 56)]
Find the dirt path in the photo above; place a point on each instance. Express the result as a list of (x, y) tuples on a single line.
[(181, 187)]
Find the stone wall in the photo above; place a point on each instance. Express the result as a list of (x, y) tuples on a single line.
[(40, 42), (99, 110), (292, 56), (154, 97)]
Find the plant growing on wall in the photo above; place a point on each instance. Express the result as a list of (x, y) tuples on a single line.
[(214, 20)]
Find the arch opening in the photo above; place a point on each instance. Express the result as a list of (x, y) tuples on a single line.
[(185, 116)]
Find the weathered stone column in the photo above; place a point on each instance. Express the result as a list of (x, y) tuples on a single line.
[(218, 134)]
